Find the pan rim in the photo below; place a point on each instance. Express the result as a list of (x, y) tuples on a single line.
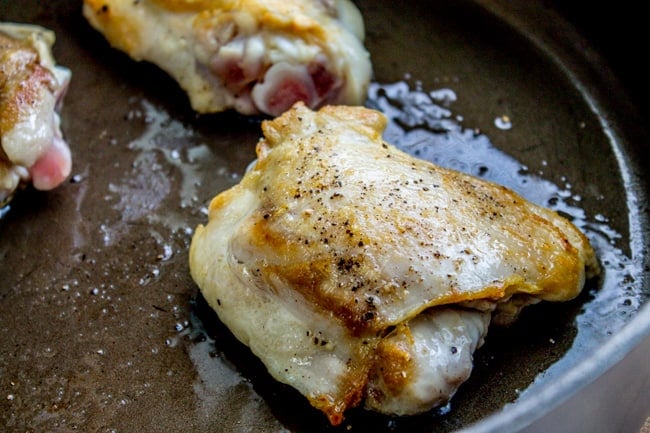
[(521, 414), (587, 70)]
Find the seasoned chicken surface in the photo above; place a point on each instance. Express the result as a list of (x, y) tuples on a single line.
[(358, 273), (251, 55), (32, 87)]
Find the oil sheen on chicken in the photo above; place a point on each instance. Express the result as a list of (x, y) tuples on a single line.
[(361, 275), (32, 88), (251, 55)]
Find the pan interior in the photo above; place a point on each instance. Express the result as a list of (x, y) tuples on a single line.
[(103, 330)]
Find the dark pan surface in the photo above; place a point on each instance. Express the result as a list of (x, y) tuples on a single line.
[(103, 330)]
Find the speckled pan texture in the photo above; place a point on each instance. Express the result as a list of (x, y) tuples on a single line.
[(103, 330)]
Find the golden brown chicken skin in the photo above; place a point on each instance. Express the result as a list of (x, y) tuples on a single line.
[(361, 275), (254, 56), (32, 86)]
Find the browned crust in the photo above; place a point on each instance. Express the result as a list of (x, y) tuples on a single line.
[(22, 79)]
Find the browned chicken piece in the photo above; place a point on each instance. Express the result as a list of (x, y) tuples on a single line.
[(361, 275), (253, 56), (32, 87)]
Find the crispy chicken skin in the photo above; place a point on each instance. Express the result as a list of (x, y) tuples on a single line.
[(251, 55), (32, 87), (358, 273)]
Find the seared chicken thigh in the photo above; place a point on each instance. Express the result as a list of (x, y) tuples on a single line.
[(251, 55), (32, 87), (358, 273)]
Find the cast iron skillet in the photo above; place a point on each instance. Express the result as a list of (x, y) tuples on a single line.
[(103, 330)]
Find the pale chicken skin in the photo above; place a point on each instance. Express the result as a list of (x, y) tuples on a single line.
[(361, 275), (32, 87), (254, 56)]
